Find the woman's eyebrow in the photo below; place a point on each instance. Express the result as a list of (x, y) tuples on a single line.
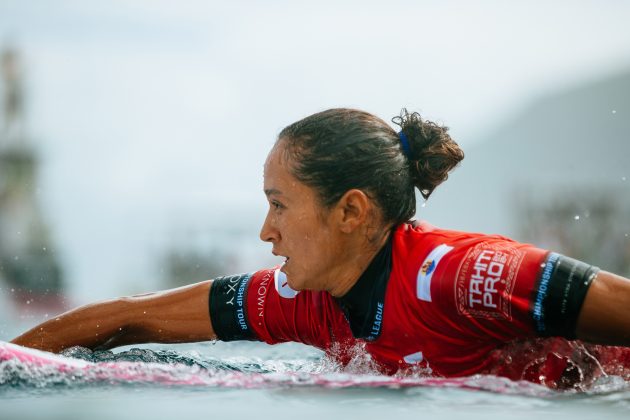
[(272, 191)]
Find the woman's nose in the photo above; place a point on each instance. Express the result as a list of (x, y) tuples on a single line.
[(268, 233)]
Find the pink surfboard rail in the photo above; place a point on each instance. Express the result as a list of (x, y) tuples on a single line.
[(10, 351), (103, 371)]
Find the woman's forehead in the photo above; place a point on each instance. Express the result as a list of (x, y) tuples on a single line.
[(274, 166), (278, 180)]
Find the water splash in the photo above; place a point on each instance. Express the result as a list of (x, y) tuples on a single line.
[(561, 364)]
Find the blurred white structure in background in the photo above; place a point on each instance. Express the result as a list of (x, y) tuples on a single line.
[(29, 271)]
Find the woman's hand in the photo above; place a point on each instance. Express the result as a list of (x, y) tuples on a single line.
[(170, 316)]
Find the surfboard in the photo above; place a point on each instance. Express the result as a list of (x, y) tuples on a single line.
[(31, 365), (42, 363)]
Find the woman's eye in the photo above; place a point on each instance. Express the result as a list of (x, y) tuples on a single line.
[(276, 205)]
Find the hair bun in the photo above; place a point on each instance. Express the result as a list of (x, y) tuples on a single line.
[(433, 152)]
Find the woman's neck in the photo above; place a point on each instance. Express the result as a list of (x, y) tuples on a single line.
[(354, 262)]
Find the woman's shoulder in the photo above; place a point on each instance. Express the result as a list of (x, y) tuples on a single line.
[(416, 230), (417, 239)]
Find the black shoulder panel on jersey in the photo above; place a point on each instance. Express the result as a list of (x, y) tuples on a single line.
[(228, 308), (559, 295)]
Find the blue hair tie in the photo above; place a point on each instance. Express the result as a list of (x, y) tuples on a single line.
[(405, 144)]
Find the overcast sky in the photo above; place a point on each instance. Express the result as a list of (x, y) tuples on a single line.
[(154, 117)]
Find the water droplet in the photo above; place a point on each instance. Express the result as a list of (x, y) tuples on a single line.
[(44, 249), (424, 204), (614, 111), (144, 312), (623, 178), (577, 217)]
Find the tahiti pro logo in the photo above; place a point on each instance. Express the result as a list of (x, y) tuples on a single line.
[(425, 274), (485, 280), (282, 285)]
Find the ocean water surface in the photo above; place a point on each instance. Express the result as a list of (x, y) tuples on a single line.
[(245, 379)]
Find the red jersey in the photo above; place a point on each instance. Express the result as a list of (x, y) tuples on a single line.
[(437, 300)]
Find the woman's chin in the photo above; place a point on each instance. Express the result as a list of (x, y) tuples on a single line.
[(294, 279), (297, 287), (295, 282), (289, 277)]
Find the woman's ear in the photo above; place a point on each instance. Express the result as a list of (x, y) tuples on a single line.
[(352, 210)]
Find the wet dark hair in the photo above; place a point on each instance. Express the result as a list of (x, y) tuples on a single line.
[(340, 149)]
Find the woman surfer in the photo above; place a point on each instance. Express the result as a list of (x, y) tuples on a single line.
[(358, 274)]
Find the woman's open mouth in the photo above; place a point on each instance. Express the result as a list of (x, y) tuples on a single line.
[(284, 264), (286, 259)]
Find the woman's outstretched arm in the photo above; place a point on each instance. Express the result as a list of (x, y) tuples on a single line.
[(605, 314), (170, 316)]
